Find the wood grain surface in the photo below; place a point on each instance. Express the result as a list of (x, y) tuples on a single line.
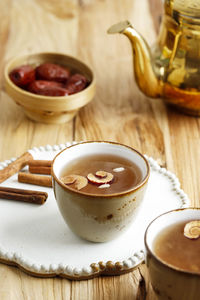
[(119, 112)]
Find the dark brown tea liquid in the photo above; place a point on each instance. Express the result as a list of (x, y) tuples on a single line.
[(173, 248), (122, 181)]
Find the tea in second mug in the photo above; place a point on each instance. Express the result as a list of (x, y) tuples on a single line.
[(173, 254), (99, 204)]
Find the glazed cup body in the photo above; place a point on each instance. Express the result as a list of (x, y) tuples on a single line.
[(169, 282), (98, 218)]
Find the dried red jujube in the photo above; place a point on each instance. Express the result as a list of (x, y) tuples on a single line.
[(48, 79), (47, 88), (52, 72), (76, 83), (22, 75)]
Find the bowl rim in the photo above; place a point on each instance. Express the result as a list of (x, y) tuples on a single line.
[(160, 261), (36, 96), (134, 189)]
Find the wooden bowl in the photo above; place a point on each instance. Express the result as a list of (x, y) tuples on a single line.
[(48, 109)]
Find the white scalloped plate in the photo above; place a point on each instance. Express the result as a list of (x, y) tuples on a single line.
[(36, 238)]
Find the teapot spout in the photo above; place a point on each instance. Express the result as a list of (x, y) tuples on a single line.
[(145, 76)]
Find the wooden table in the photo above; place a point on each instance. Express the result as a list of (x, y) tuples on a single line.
[(119, 112)]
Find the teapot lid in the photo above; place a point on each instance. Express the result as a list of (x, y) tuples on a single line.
[(183, 9)]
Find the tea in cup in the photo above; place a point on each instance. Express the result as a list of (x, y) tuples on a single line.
[(99, 187), (172, 243)]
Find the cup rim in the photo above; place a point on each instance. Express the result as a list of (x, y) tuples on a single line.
[(135, 188), (177, 269)]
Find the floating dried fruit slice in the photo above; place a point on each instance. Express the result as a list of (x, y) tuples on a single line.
[(78, 180), (192, 230), (101, 174), (69, 179), (100, 177)]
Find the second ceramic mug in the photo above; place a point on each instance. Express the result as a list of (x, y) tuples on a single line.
[(170, 282), (85, 214)]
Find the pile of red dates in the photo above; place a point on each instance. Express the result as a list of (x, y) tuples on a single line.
[(48, 79)]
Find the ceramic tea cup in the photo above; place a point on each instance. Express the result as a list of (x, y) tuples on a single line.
[(94, 217), (168, 281)]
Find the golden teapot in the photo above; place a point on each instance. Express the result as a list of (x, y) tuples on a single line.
[(171, 70)]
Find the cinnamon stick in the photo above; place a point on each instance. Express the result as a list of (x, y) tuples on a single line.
[(40, 166), (35, 179), (29, 196), (40, 170), (15, 166), (39, 162)]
